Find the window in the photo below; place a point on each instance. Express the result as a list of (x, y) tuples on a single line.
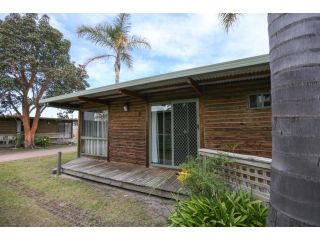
[(94, 133), (262, 100), (65, 129)]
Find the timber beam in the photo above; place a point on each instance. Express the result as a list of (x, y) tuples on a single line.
[(133, 94), (94, 100), (64, 106), (195, 86)]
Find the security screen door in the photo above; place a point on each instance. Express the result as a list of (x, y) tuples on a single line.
[(174, 132), (94, 133)]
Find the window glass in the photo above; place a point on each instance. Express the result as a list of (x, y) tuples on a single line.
[(94, 133), (253, 101), (260, 100), (161, 134), (267, 100)]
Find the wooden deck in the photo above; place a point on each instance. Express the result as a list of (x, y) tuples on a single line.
[(155, 181)]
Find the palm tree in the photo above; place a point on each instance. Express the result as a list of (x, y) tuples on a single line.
[(116, 37), (294, 41), (228, 19)]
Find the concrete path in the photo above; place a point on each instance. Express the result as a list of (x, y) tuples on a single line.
[(34, 153)]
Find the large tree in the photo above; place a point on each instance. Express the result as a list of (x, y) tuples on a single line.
[(294, 41), (34, 64), (117, 39)]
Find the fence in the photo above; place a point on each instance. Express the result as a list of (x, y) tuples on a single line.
[(57, 138), (246, 171)]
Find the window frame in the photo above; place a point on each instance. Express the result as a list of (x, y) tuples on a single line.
[(81, 137), (259, 94)]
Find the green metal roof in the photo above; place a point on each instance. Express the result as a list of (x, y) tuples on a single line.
[(198, 74)]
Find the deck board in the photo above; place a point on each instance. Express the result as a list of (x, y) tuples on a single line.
[(156, 181)]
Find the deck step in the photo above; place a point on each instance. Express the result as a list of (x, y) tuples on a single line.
[(153, 181)]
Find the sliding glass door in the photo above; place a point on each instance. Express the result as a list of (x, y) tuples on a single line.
[(174, 132), (161, 118), (94, 133)]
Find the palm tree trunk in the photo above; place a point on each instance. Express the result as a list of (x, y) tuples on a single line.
[(294, 41), (117, 72), (117, 69)]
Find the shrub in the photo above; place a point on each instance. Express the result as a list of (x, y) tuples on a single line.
[(42, 141), (224, 210), (20, 140), (201, 177)]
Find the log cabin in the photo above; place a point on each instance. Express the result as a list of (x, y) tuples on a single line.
[(156, 122), (58, 130)]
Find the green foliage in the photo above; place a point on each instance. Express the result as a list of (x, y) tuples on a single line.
[(19, 141), (212, 201), (228, 20), (34, 64), (201, 177), (42, 141), (232, 146), (117, 39), (224, 210)]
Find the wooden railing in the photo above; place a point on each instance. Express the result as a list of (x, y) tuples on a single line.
[(55, 135), (245, 171), (11, 139), (8, 139)]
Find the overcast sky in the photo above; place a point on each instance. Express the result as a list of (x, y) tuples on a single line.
[(178, 41)]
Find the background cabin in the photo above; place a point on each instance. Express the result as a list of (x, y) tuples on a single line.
[(58, 130)]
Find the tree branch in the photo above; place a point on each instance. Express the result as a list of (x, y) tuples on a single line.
[(32, 108), (13, 106), (97, 58), (44, 87), (43, 108)]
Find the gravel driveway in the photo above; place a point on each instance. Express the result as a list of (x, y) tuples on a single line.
[(34, 153)]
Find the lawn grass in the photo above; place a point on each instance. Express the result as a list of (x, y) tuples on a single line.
[(20, 211), (114, 207), (9, 150)]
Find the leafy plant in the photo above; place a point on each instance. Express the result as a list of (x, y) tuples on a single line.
[(34, 64), (117, 39), (19, 141), (201, 176), (232, 146), (224, 210), (42, 141)]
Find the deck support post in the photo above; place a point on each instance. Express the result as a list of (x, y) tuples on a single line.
[(59, 163)]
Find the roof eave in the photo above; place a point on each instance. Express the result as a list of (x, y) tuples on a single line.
[(220, 67)]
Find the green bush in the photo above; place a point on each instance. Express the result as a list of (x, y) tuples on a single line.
[(42, 141), (201, 177), (224, 210), (20, 140)]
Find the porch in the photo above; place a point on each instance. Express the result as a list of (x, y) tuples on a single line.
[(153, 180)]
